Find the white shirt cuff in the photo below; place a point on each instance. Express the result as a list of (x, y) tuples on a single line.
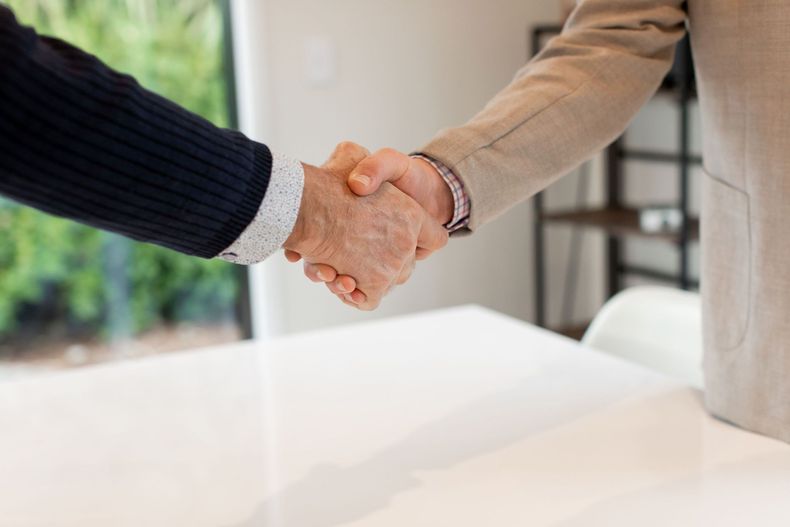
[(276, 217)]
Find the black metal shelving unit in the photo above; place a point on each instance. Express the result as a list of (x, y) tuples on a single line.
[(615, 217)]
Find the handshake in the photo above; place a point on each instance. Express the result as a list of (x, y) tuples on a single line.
[(366, 219)]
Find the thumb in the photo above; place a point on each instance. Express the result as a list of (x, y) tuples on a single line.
[(385, 165)]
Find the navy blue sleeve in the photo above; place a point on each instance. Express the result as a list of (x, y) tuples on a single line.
[(82, 141)]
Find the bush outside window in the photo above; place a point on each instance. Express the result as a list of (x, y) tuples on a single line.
[(68, 288)]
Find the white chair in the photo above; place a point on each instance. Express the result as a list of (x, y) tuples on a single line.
[(656, 327)]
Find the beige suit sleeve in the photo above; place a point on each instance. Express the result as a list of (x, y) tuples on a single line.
[(568, 103)]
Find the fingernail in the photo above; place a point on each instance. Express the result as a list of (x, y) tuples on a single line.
[(349, 298), (321, 276), (362, 179)]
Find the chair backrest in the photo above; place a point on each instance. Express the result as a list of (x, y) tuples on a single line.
[(656, 327)]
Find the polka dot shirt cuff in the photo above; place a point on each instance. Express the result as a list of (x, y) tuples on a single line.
[(275, 218)]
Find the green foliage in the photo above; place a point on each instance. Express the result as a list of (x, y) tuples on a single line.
[(174, 48)]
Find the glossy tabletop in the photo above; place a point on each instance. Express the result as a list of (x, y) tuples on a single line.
[(455, 418)]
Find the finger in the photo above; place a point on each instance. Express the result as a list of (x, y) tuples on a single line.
[(385, 165), (292, 256), (358, 297), (342, 284), (433, 236), (422, 254), (345, 157), (369, 304), (319, 272), (365, 301), (354, 299), (343, 299)]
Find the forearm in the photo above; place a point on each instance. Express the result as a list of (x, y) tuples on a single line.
[(82, 141), (565, 105)]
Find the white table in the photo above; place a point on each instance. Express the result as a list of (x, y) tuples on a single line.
[(456, 418)]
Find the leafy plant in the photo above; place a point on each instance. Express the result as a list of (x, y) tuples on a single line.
[(174, 48)]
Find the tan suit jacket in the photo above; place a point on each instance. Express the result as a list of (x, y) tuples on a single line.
[(580, 93)]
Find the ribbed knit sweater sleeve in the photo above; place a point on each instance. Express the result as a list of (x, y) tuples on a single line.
[(80, 140)]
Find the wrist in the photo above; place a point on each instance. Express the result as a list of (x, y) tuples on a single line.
[(440, 203), (294, 241), (298, 239)]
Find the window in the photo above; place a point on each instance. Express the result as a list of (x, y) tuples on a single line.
[(71, 295)]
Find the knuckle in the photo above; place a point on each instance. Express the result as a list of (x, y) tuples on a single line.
[(352, 151), (345, 147), (381, 280), (404, 244), (412, 212), (388, 152), (378, 284)]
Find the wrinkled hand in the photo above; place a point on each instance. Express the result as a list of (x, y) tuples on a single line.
[(373, 238), (413, 176)]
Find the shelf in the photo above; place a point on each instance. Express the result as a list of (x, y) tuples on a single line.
[(573, 332), (617, 222), (623, 221), (652, 274), (658, 157)]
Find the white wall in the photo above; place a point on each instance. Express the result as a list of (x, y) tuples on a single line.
[(403, 70)]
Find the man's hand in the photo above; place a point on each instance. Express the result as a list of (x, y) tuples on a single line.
[(373, 238), (413, 176), (416, 177)]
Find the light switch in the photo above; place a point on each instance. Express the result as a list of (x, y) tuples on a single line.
[(320, 61)]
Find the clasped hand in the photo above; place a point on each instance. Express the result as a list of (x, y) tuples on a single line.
[(365, 219)]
